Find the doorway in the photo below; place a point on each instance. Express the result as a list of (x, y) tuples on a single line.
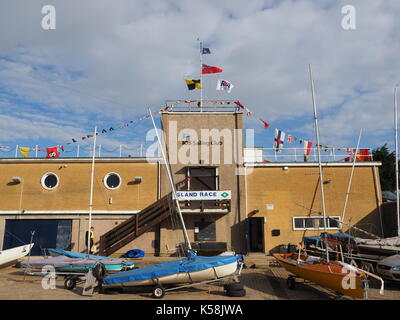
[(255, 234)]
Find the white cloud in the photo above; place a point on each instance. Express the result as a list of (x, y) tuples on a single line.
[(107, 63)]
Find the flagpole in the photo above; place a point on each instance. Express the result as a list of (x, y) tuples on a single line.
[(201, 76), (321, 182)]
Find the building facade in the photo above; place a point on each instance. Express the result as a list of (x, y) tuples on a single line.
[(226, 199)]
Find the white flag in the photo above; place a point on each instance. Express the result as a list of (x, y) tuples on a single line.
[(224, 85)]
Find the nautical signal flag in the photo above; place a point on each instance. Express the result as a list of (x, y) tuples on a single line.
[(25, 152), (52, 152), (193, 84), (289, 138), (224, 85), (266, 125), (307, 149), (279, 140), (205, 51), (210, 69)]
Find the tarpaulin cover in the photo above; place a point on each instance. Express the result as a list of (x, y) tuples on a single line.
[(190, 264), (134, 253), (63, 262), (73, 254)]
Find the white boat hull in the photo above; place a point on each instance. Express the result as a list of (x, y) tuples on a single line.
[(185, 277), (13, 254)]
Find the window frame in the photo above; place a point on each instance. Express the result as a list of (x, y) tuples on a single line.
[(107, 176), (314, 228), (43, 178)]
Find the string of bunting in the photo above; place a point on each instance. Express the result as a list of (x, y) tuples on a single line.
[(54, 152)]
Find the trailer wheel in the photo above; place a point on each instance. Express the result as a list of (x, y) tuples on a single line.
[(99, 271), (291, 283), (233, 286), (158, 292), (70, 283), (236, 293)]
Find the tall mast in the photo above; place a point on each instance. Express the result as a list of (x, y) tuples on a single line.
[(91, 189), (351, 177), (397, 160), (321, 182), (201, 76), (171, 180)]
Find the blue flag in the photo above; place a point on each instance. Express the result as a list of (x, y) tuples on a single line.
[(206, 51)]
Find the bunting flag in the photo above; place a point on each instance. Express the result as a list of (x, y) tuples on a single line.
[(52, 152), (210, 69), (224, 85), (289, 138), (193, 84), (363, 155), (205, 51), (25, 152), (279, 140), (266, 125), (307, 149)]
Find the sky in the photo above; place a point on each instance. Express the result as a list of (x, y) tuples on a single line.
[(106, 63)]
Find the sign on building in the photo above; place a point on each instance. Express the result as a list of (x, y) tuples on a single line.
[(204, 195)]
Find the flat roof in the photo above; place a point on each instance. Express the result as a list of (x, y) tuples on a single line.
[(82, 159), (313, 164)]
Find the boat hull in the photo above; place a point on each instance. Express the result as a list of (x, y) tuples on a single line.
[(10, 255), (183, 277), (332, 275)]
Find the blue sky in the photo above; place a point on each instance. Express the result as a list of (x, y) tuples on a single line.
[(105, 65)]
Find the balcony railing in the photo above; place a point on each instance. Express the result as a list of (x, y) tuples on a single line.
[(328, 154)]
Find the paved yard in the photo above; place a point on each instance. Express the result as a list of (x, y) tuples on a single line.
[(263, 280)]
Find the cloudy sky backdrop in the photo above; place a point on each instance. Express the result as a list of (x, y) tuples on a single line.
[(107, 62)]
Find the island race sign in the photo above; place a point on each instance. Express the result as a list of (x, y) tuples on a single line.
[(204, 195)]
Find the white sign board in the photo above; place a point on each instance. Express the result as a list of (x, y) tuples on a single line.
[(204, 195)]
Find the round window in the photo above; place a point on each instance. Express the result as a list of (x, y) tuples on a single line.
[(49, 181), (112, 180)]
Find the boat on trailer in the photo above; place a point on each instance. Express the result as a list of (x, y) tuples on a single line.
[(191, 270), (13, 254), (342, 278), (68, 261)]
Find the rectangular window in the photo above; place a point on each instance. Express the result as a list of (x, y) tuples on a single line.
[(315, 223)]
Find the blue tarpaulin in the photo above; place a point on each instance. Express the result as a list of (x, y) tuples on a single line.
[(134, 253), (190, 264)]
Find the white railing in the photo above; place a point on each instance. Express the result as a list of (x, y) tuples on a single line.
[(330, 154), (78, 151)]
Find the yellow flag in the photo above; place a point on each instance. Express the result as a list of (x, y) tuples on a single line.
[(25, 152)]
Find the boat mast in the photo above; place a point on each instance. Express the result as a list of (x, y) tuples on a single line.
[(397, 160), (321, 182), (351, 177), (171, 180), (91, 190)]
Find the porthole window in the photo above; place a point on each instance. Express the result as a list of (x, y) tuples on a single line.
[(49, 181), (112, 181)]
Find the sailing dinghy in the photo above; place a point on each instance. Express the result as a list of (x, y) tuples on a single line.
[(10, 255), (335, 275), (76, 262)]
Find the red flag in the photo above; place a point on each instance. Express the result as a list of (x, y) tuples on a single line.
[(52, 152), (266, 125), (363, 155), (210, 69), (239, 104)]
